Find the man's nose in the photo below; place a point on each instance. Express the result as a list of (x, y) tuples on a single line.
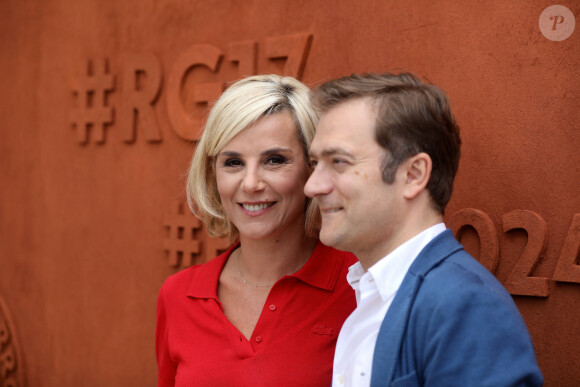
[(318, 184)]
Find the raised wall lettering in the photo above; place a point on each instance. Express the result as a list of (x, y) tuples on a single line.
[(244, 53), (483, 225), (568, 269), (140, 88), (519, 281), (92, 113), (184, 242), (293, 47), (182, 121), (215, 246), (142, 81), (181, 242)]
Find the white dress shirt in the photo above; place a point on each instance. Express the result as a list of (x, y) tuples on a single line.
[(375, 290)]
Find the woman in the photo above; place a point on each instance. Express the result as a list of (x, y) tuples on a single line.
[(268, 310)]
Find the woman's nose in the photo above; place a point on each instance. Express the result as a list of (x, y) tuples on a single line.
[(252, 180)]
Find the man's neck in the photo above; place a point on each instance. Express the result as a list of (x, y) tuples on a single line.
[(369, 255)]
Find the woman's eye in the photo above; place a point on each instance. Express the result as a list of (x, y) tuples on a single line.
[(276, 160), (233, 163)]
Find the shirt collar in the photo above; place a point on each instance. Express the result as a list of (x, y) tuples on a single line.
[(322, 270), (388, 272), (205, 279)]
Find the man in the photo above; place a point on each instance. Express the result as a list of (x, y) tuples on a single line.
[(385, 154)]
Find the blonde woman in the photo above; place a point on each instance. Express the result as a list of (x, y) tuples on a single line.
[(268, 310)]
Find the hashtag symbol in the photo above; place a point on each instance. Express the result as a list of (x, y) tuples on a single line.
[(92, 112), (215, 246), (182, 244)]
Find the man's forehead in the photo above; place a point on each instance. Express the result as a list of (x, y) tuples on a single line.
[(351, 117), (335, 141), (368, 104)]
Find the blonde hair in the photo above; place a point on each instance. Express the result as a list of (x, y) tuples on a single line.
[(240, 106)]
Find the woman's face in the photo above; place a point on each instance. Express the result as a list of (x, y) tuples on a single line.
[(260, 176)]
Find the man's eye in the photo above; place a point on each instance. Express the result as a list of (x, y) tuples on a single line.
[(313, 163), (233, 163), (338, 161), (276, 160)]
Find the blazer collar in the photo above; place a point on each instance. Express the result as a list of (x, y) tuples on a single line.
[(434, 253)]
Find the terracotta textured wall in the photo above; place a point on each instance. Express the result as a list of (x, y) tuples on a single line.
[(91, 197)]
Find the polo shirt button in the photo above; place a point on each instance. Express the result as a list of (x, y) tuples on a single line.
[(258, 338), (272, 307)]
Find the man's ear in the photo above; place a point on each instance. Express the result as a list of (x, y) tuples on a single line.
[(417, 171)]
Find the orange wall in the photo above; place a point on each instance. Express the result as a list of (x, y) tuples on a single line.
[(88, 228)]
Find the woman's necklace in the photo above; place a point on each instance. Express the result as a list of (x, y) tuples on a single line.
[(255, 285), (250, 283)]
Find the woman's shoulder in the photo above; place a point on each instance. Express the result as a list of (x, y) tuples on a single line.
[(184, 275), (196, 273)]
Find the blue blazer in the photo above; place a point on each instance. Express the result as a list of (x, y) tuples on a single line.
[(453, 324)]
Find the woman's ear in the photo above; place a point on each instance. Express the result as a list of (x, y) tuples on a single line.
[(417, 171)]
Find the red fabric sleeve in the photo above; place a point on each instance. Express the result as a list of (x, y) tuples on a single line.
[(165, 366)]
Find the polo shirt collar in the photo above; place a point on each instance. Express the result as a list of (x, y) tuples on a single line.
[(205, 280), (322, 270)]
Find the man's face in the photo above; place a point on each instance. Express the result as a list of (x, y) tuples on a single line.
[(359, 210)]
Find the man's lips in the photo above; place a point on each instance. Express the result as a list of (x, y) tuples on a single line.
[(330, 210)]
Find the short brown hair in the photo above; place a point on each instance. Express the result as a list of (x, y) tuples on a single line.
[(412, 117)]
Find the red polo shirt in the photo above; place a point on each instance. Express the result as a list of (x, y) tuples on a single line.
[(292, 344)]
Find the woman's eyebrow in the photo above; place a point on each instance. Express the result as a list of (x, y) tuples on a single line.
[(276, 150), (229, 154), (264, 153)]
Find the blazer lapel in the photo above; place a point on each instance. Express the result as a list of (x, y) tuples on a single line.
[(392, 331)]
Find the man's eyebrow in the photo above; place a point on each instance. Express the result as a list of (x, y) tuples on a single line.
[(328, 152)]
